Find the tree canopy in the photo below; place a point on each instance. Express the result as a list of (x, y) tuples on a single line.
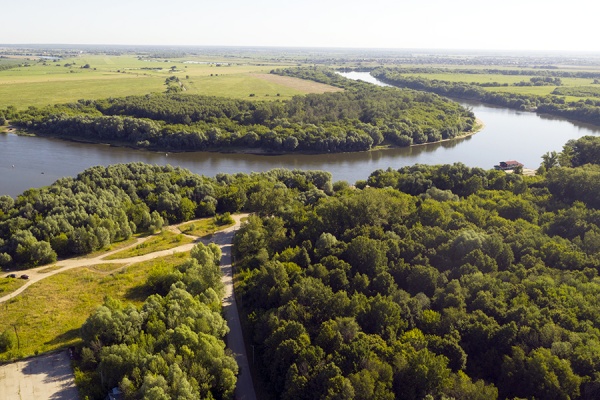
[(356, 119)]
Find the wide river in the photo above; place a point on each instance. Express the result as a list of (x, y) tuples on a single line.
[(508, 135)]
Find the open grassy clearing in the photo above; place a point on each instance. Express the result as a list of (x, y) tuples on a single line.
[(163, 241), (48, 314), (507, 79), (53, 92), (202, 228), (9, 285), (302, 85)]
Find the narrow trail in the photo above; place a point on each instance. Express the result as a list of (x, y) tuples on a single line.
[(37, 274), (224, 239)]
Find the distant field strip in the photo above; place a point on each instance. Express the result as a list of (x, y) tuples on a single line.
[(301, 85)]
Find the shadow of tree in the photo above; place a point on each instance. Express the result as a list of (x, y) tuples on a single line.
[(64, 337)]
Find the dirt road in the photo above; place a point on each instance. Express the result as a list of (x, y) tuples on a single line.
[(15, 385)]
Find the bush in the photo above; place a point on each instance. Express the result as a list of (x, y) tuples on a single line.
[(7, 341), (224, 219)]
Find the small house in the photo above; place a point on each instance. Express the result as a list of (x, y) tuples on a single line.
[(505, 165)]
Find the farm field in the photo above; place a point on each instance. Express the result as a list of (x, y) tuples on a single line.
[(99, 76), (506, 79)]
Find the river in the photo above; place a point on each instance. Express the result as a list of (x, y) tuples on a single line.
[(508, 135)]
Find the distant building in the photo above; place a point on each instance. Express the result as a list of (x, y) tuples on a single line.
[(504, 165)]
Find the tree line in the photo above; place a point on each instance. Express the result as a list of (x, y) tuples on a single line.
[(102, 205), (582, 110), (538, 73), (356, 119), (441, 281)]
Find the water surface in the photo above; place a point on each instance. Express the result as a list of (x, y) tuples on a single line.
[(508, 135)]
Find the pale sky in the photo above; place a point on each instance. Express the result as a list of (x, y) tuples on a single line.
[(437, 24)]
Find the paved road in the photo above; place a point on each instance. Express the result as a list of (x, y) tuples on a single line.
[(235, 338)]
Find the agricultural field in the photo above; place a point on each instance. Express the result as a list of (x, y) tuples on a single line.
[(41, 82), (508, 80)]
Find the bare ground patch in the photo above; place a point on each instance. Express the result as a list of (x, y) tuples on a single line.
[(302, 85), (45, 377)]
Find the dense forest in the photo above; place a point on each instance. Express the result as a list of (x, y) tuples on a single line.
[(442, 281), (582, 110), (356, 119), (170, 348), (102, 205)]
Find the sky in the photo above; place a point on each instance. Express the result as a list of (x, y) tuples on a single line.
[(548, 25)]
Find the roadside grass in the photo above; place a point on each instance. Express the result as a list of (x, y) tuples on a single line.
[(9, 285), (163, 241), (49, 269), (203, 227), (116, 245), (47, 316)]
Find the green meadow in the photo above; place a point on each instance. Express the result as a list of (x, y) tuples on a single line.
[(506, 79), (47, 316), (40, 83)]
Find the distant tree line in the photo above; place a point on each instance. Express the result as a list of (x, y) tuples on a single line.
[(360, 117), (539, 72), (582, 110), (580, 91), (430, 282)]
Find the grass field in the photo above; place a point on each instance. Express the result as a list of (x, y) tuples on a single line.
[(163, 241), (202, 228), (48, 315), (43, 83), (9, 285), (507, 79)]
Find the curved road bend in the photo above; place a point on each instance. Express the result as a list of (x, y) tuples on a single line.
[(235, 338)]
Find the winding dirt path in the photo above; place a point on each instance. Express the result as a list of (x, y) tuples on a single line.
[(37, 274), (224, 238)]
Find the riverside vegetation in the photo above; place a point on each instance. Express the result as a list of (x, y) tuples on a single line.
[(586, 108), (356, 119), (441, 281), (445, 281)]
